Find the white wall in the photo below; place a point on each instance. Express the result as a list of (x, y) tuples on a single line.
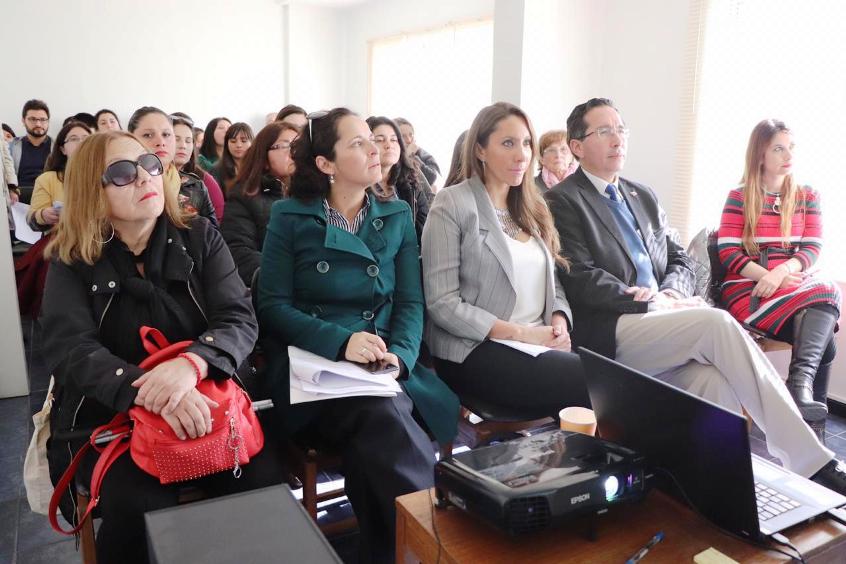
[(641, 70), (203, 57), (559, 71), (317, 36), (384, 18), (628, 51)]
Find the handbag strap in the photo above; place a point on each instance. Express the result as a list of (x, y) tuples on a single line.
[(119, 425), (152, 339)]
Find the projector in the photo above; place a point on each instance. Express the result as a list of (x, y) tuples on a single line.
[(532, 483)]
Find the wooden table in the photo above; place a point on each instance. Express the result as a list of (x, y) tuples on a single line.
[(620, 533)]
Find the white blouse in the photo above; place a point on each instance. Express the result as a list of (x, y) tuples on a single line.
[(529, 263)]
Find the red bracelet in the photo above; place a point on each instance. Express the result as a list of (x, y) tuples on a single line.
[(194, 365)]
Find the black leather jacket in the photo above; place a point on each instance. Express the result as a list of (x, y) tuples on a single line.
[(194, 195), (89, 379)]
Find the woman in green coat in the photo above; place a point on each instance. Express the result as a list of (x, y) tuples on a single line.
[(340, 277)]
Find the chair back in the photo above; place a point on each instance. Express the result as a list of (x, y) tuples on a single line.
[(709, 271)]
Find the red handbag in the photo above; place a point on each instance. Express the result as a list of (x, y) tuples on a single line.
[(236, 436)]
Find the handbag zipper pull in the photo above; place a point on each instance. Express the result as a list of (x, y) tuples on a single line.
[(235, 445)]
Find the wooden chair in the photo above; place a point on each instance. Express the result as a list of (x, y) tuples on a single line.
[(306, 464), (87, 545)]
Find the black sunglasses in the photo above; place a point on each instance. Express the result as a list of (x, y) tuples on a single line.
[(121, 173)]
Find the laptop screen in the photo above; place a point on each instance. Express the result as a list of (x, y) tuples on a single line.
[(704, 446)]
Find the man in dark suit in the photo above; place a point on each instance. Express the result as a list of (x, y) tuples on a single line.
[(630, 286)]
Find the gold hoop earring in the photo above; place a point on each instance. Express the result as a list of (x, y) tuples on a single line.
[(112, 236)]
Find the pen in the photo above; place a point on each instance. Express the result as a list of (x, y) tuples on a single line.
[(659, 536)]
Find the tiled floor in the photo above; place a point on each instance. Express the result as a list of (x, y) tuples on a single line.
[(26, 537)]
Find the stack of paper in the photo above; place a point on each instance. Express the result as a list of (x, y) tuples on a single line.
[(533, 350), (315, 378)]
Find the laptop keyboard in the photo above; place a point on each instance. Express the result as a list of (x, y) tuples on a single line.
[(772, 503)]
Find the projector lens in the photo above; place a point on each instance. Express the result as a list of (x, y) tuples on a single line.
[(612, 487)]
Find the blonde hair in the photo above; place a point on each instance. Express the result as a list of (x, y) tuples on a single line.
[(526, 206), (84, 225), (753, 187)]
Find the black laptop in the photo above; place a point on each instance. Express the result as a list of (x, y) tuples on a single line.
[(704, 447)]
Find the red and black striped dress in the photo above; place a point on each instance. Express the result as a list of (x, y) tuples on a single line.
[(804, 245)]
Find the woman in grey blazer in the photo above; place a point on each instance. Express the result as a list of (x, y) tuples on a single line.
[(490, 250)]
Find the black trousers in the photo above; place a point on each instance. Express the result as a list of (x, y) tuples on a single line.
[(127, 492), (498, 382), (385, 454)]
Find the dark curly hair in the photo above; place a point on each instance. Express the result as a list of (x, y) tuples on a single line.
[(317, 140)]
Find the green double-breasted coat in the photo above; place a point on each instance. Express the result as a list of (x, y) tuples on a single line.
[(320, 284)]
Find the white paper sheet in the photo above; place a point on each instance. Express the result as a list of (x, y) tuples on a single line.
[(22, 230), (533, 350), (314, 378), (298, 395)]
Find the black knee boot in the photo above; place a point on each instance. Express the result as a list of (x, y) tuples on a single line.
[(812, 332), (821, 395)]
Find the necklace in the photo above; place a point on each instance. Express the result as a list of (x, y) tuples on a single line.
[(507, 223), (776, 207)]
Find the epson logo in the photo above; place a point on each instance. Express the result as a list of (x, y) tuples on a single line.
[(579, 498)]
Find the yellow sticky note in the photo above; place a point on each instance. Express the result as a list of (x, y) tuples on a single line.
[(713, 556)]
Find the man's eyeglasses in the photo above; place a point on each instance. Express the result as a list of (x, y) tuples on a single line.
[(121, 173), (314, 116), (280, 147), (603, 132), (37, 120)]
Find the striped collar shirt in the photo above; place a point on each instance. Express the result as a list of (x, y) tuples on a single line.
[(336, 218)]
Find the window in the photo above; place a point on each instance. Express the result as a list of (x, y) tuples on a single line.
[(762, 59), (437, 79)]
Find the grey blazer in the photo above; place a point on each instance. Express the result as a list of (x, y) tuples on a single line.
[(468, 273)]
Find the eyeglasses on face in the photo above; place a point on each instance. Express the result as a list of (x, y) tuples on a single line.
[(122, 173), (75, 139), (607, 131), (280, 147), (31, 119)]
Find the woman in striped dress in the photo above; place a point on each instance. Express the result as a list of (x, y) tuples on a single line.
[(770, 237)]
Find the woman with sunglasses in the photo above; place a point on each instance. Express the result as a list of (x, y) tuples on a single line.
[(340, 278), (126, 255), (211, 146), (155, 129), (401, 175), (193, 177), (264, 179), (48, 195), (236, 142)]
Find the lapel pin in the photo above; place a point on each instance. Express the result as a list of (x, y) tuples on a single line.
[(633, 193)]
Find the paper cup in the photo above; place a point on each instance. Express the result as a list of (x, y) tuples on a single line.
[(578, 419)]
